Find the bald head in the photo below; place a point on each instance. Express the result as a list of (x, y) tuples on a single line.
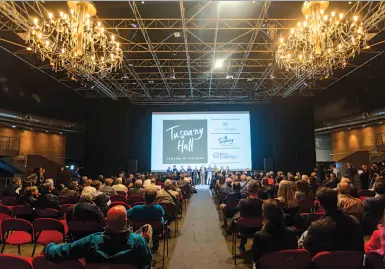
[(228, 181), (243, 178), (344, 188), (116, 218)]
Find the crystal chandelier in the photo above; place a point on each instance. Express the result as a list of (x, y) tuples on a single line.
[(321, 43), (75, 43)]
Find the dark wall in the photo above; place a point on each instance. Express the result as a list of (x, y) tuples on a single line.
[(117, 131)]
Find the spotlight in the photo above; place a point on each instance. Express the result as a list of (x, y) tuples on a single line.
[(305, 84), (219, 63), (13, 126), (60, 133), (171, 73), (176, 34), (29, 48), (151, 81), (134, 25), (142, 2), (230, 74), (46, 131), (380, 122), (30, 129)]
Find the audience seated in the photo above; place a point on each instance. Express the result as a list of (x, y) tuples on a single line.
[(148, 212), (86, 209), (31, 195), (47, 199), (250, 207), (274, 236), (13, 189), (118, 186), (288, 202), (115, 245), (303, 192), (101, 200), (374, 206), (137, 189), (332, 182), (107, 188), (348, 204), (335, 231), (71, 190), (167, 195), (150, 184), (377, 243), (227, 187), (233, 196), (244, 184)]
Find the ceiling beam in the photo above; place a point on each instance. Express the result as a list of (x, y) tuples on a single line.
[(214, 49)]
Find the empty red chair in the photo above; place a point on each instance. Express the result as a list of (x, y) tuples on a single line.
[(47, 213), (338, 260), (288, 259), (5, 213), (110, 266), (16, 232), (47, 231), (68, 200), (10, 201), (119, 203), (14, 262), (135, 198), (118, 198), (40, 262), (22, 211)]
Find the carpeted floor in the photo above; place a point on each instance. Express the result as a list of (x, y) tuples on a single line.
[(201, 243)]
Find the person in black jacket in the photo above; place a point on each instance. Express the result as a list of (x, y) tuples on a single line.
[(12, 190), (374, 206), (335, 231), (31, 195), (101, 200), (47, 199), (274, 236), (332, 182)]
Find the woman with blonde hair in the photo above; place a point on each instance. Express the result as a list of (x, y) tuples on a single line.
[(288, 202)]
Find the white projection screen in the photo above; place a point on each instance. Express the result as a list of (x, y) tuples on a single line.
[(196, 138)]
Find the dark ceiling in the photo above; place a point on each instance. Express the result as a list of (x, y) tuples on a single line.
[(218, 30)]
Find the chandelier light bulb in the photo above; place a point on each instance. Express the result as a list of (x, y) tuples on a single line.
[(99, 23), (102, 30), (72, 11), (47, 42), (325, 17), (292, 30), (281, 40), (40, 35), (61, 13), (299, 24), (112, 37), (355, 18), (35, 21), (333, 14), (305, 23), (341, 16), (322, 11), (50, 15), (339, 46), (65, 16), (62, 50), (29, 48)]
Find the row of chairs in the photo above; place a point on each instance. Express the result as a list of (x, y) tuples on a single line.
[(39, 262)]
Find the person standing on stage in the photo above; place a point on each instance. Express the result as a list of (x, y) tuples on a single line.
[(215, 169), (203, 174), (189, 171), (221, 170), (169, 171), (227, 171), (209, 175), (174, 169), (195, 174), (182, 171)]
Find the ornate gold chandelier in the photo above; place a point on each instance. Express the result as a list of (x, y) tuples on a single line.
[(75, 43), (321, 43)]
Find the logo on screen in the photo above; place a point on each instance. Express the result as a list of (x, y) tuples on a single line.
[(224, 156), (225, 124), (225, 140), (184, 141), (226, 127)]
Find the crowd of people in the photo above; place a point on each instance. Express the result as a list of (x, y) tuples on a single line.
[(94, 207), (321, 212)]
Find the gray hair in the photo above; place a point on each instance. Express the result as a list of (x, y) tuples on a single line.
[(88, 194), (168, 184), (138, 183), (118, 180)]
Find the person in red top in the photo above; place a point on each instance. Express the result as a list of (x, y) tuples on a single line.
[(377, 241)]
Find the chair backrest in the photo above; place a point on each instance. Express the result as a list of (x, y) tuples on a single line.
[(305, 205), (367, 193), (8, 201), (118, 198), (157, 226), (110, 266), (40, 262), (47, 213), (122, 193), (249, 223), (232, 205), (288, 259), (119, 203), (338, 259), (374, 260), (47, 224), (22, 210), (169, 209), (14, 262), (135, 198), (64, 208), (15, 224), (5, 213), (68, 200)]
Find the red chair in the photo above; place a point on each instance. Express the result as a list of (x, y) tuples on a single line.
[(80, 228), (118, 198), (288, 259), (5, 213), (122, 193), (23, 211), (363, 198), (109, 266), (16, 232), (138, 203), (64, 209), (119, 203), (47, 231), (338, 260), (47, 213), (251, 225), (40, 262), (14, 262), (367, 193), (171, 213), (68, 200), (158, 229), (134, 199), (9, 201)]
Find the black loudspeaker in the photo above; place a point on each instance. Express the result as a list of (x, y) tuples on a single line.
[(132, 166), (268, 164)]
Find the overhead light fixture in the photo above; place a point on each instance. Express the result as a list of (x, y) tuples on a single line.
[(176, 34), (171, 73), (13, 126), (46, 131), (134, 25), (75, 42), (150, 81), (130, 65), (30, 129), (380, 122), (142, 2), (230, 73), (60, 133), (350, 3), (250, 79), (219, 63), (29, 48), (321, 43), (364, 125), (253, 2)]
